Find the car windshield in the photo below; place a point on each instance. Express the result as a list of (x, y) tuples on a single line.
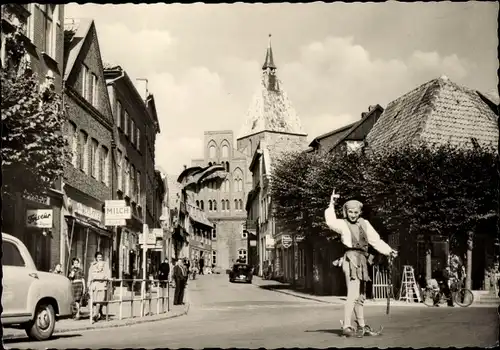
[(241, 268)]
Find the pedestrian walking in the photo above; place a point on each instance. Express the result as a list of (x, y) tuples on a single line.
[(180, 280), (357, 235), (202, 265), (78, 285), (164, 271), (99, 270)]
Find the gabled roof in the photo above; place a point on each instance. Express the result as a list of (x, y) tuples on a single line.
[(75, 32), (356, 125), (436, 112), (336, 133)]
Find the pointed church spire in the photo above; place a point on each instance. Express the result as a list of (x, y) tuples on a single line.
[(269, 62)]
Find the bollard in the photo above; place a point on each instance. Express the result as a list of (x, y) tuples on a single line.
[(143, 295), (121, 300), (91, 305), (158, 298)]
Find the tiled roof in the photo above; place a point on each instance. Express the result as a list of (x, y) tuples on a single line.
[(438, 112), (337, 133), (77, 29), (272, 111)]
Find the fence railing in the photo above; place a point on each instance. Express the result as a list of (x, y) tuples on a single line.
[(127, 294)]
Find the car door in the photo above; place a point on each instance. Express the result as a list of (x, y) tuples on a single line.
[(17, 281)]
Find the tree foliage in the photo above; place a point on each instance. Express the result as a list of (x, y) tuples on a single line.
[(422, 189), (33, 146)]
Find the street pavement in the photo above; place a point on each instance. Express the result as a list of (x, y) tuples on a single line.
[(227, 315)]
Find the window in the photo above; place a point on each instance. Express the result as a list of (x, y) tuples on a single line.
[(11, 255), (227, 204), (139, 187), (197, 204), (119, 167), (241, 204), (244, 234), (215, 205), (125, 123), (138, 138), (51, 14), (127, 178), (95, 91), (227, 166), (73, 143), (104, 165), (214, 257), (236, 205), (211, 151), (223, 205), (118, 114), (210, 208), (225, 151), (242, 255), (83, 154), (94, 158), (132, 183), (85, 83), (132, 131), (30, 28), (214, 232), (201, 205)]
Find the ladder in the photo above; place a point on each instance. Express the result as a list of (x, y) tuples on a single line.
[(409, 292)]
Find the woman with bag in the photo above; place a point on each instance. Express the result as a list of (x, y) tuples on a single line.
[(78, 284), (99, 270)]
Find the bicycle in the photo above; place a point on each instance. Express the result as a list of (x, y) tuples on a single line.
[(463, 297)]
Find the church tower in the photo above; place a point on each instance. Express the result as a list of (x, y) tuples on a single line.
[(271, 114)]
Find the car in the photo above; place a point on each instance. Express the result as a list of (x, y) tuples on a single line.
[(32, 300), (241, 273)]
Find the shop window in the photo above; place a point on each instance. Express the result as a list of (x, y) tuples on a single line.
[(11, 255)]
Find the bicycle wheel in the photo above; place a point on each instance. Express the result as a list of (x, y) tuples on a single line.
[(428, 297), (464, 297)]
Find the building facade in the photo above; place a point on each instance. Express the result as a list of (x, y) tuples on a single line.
[(87, 175), (272, 127), (41, 26), (223, 199), (135, 129)]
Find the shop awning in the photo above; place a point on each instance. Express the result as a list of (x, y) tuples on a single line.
[(87, 223)]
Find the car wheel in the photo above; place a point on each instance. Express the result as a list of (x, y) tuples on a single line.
[(42, 327)]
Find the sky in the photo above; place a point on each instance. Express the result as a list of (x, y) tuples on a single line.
[(203, 62)]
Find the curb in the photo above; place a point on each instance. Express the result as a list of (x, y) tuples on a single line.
[(305, 297), (129, 322)]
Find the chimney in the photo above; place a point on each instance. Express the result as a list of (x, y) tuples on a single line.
[(185, 167)]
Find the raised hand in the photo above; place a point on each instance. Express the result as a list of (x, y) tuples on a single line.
[(334, 197)]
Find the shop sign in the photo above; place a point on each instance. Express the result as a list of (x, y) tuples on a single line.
[(158, 232), (269, 242), (286, 241), (41, 218), (147, 235), (117, 209), (159, 244), (38, 199), (253, 244), (87, 211)]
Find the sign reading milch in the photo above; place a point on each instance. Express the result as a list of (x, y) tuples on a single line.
[(41, 218)]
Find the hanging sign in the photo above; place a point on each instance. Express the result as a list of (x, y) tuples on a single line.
[(286, 241), (41, 218)]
